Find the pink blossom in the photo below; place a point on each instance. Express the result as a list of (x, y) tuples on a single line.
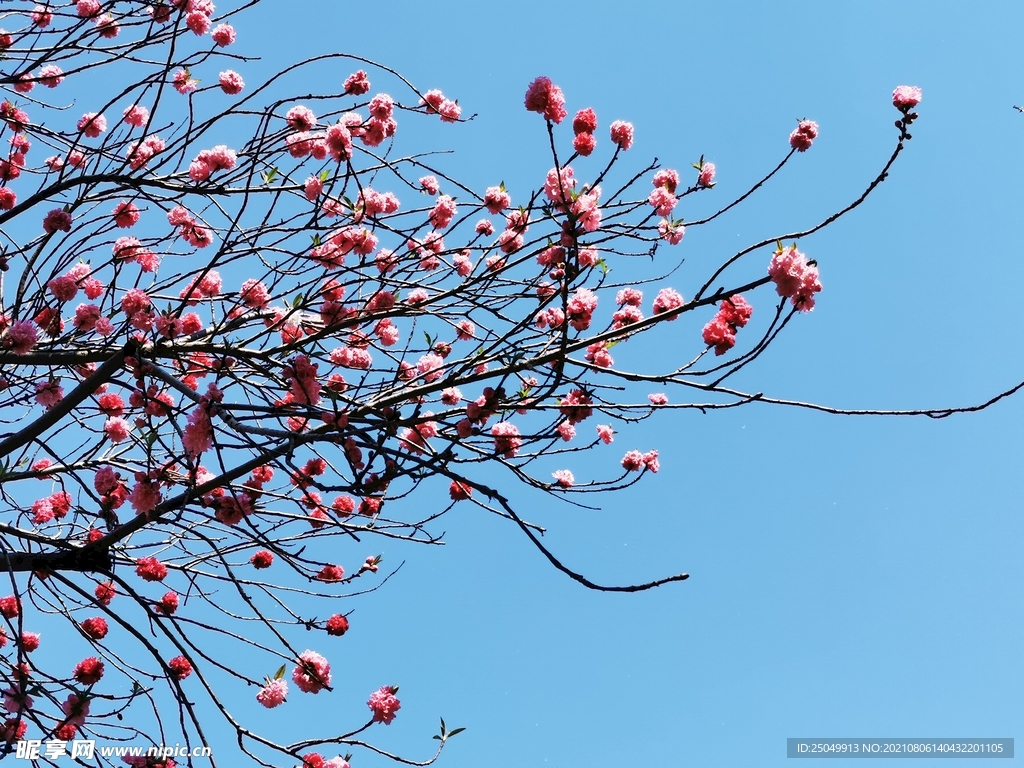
[(650, 460), (663, 201), (604, 433), (566, 431), (150, 569), (116, 429), (658, 398), (223, 35), (585, 121), (381, 106), (92, 124), (564, 478), (584, 144), (622, 134), (496, 199), (632, 461), (450, 111), (506, 439), (51, 75), (443, 212), (107, 26), (42, 16), (357, 83), (431, 367), (95, 627), (795, 277), (384, 704), (49, 393), (432, 100), (180, 667), (484, 227), (88, 8), (545, 97), (198, 22), (337, 625), (126, 214), (804, 135), (8, 199), (273, 693), (183, 82), (671, 231), (906, 97), (231, 82), (57, 220), (706, 176), (313, 673), (63, 288), (262, 559), (667, 300)]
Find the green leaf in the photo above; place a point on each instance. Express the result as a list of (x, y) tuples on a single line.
[(455, 732), (280, 672), (325, 174), (316, 240), (269, 176), (430, 341), (443, 729)]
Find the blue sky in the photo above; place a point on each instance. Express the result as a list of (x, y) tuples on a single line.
[(849, 576)]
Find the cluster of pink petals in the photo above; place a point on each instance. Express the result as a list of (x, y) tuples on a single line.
[(546, 98), (906, 97), (183, 82), (384, 704), (804, 135), (150, 569), (622, 134), (733, 313), (507, 441), (273, 693), (584, 125), (140, 153), (449, 110), (312, 674), (92, 124), (231, 82), (706, 176), (357, 83), (667, 300), (210, 160), (563, 478), (633, 461), (795, 277)]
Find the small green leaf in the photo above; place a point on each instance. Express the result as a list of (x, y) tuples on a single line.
[(316, 240), (325, 174), (443, 729), (455, 732), (280, 672)]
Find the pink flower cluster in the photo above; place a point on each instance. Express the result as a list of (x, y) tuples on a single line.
[(140, 152), (546, 98), (210, 160), (795, 277), (313, 673), (667, 300), (622, 134), (584, 125), (733, 313), (435, 101), (633, 461), (804, 135), (906, 97), (384, 704)]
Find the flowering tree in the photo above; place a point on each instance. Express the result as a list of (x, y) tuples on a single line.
[(224, 359)]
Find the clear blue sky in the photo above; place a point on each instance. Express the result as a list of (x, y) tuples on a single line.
[(849, 577)]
